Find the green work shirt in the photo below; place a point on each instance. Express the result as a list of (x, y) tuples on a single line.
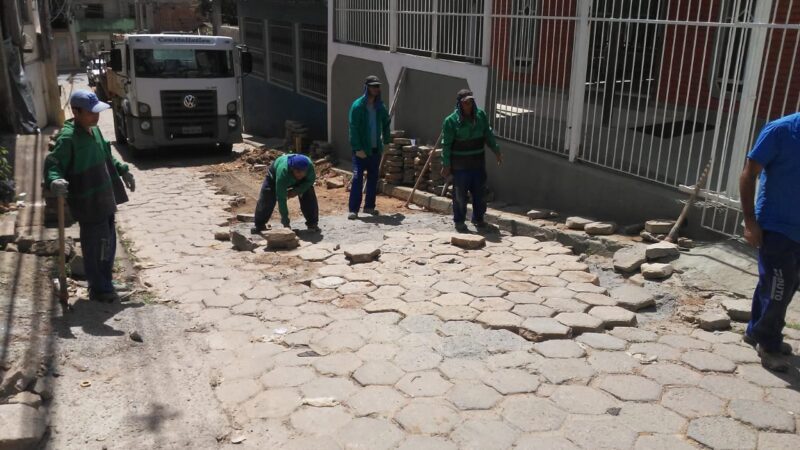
[(285, 180), (456, 129)]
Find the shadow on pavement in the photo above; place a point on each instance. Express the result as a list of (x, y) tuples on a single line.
[(91, 317)]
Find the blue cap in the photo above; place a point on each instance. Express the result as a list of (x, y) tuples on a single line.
[(299, 162), (87, 101)]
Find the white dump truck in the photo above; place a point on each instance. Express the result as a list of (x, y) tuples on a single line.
[(176, 90)]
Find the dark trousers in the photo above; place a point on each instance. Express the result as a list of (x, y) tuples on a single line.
[(267, 200), (99, 246), (472, 181), (372, 165), (778, 265)]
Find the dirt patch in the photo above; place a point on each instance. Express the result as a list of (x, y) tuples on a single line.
[(243, 177)]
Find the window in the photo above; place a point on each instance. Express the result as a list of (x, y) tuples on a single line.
[(281, 54), (253, 38), (131, 11), (732, 43), (94, 11), (524, 36), (314, 61), (178, 63)]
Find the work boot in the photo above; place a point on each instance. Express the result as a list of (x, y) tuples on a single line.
[(313, 228), (352, 216), (257, 230), (786, 348), (461, 227), (103, 297), (773, 361), (372, 211), (482, 225)]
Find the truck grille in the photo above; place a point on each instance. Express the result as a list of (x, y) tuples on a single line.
[(182, 121)]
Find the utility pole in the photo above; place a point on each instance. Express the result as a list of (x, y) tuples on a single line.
[(7, 113), (216, 16)]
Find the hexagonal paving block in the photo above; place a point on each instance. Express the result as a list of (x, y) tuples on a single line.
[(566, 305), (760, 376), (530, 413), (337, 342), (788, 399), (454, 299), (632, 334), (632, 297), (499, 319), (692, 402), (336, 388), (377, 372), (601, 341), (558, 371), (387, 292), (630, 387), (559, 349), (485, 291), (416, 359), (650, 418), (541, 328), (708, 362), (587, 287), (555, 292), (599, 432), (287, 376), (663, 442), (424, 384), (547, 440), (683, 342), (273, 404), (574, 276), (356, 287), (369, 433), (380, 400), (468, 395), (533, 310), (451, 286), (614, 316), (761, 415), (668, 374), (233, 392), (778, 441), (731, 387), (721, 432), (385, 305), (448, 313), (484, 435), (428, 417), (651, 349), (328, 282), (512, 381), (595, 299), (580, 322), (337, 364), (518, 286), (320, 421), (737, 353), (582, 400), (613, 362), (491, 304), (524, 298), (426, 443)]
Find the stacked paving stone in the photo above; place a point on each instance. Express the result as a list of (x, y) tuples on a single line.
[(409, 156), (419, 163), (320, 149), (435, 180), (281, 239), (393, 164), (295, 130)]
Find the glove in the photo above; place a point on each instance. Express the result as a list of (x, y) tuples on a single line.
[(361, 154), (59, 187), (285, 223), (129, 181)]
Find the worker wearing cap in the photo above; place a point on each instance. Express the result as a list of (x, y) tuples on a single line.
[(465, 133), (288, 176), (82, 169), (369, 131)]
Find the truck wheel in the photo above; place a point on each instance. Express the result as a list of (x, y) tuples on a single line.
[(120, 138), (225, 149)]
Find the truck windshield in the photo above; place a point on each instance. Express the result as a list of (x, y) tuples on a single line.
[(179, 63)]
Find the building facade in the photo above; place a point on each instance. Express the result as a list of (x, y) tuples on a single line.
[(607, 107), (289, 43)]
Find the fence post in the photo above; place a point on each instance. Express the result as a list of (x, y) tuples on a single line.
[(392, 25), (747, 103), (298, 55), (435, 29), (486, 48), (577, 89)]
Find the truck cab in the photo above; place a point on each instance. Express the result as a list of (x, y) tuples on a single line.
[(175, 90)]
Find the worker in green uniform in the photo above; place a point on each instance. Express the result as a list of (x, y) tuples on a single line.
[(82, 169), (288, 176), (465, 133)]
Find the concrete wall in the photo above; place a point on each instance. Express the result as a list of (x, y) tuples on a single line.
[(267, 107), (535, 179), (347, 75), (312, 12), (425, 99)]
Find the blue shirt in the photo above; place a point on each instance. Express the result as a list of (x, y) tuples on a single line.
[(373, 125), (778, 151)]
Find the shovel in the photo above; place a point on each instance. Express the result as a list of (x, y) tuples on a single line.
[(61, 283)]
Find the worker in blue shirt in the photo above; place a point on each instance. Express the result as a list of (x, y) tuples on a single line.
[(772, 224)]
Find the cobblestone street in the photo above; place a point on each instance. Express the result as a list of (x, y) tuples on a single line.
[(515, 345)]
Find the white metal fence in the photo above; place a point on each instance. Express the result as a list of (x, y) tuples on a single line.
[(447, 29)]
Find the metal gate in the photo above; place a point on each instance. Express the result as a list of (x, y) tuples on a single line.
[(656, 89)]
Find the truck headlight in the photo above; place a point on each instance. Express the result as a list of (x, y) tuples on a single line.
[(144, 109), (145, 125), (232, 122), (232, 107)]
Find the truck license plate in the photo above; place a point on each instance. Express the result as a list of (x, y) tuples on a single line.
[(194, 129)]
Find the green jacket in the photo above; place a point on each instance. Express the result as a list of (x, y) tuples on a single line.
[(359, 126), (284, 180), (82, 158), (454, 129)]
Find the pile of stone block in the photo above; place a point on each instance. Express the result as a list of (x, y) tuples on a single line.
[(435, 179), (320, 149), (409, 156), (393, 164), (281, 239), (419, 163), (294, 131)]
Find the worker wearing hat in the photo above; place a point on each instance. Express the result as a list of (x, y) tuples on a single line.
[(369, 131), (81, 168), (465, 133), (288, 176)]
